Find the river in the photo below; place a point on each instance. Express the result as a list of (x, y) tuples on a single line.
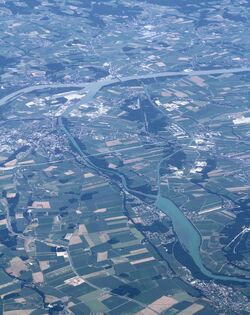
[(186, 232), (190, 238), (94, 87)]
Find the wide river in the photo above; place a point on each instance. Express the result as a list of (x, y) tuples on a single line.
[(186, 232), (189, 237)]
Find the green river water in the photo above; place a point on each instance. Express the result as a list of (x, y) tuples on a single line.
[(186, 232), (190, 238)]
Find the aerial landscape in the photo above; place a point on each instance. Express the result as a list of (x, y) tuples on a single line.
[(125, 157)]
